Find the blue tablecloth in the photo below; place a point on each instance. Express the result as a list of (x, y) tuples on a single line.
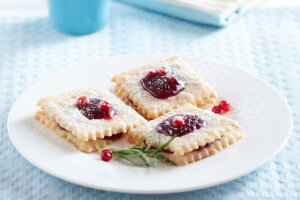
[(264, 42)]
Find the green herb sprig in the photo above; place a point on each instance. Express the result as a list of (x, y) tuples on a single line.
[(141, 156)]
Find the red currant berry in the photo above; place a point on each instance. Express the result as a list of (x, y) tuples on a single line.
[(216, 109), (104, 105), (83, 101), (224, 105), (106, 155), (178, 121), (151, 73)]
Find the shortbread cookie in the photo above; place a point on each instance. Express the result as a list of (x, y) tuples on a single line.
[(88, 114), (199, 133), (157, 88), (85, 146)]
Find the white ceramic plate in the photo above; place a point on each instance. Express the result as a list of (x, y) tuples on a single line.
[(263, 114)]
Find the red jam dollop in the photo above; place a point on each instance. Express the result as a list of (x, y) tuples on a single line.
[(62, 128), (162, 84), (113, 137), (93, 108), (171, 126)]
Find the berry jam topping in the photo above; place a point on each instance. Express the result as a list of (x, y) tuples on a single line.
[(106, 155), (223, 105), (96, 108), (113, 137), (162, 84), (179, 125), (62, 128), (131, 102)]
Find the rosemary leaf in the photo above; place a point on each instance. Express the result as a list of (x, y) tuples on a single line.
[(151, 142), (131, 161), (158, 143), (155, 162), (140, 142), (135, 153), (143, 157), (164, 158), (161, 148)]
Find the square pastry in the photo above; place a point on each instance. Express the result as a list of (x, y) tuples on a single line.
[(198, 133), (157, 88), (89, 118)]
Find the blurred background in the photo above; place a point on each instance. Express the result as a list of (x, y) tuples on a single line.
[(264, 40), (40, 7)]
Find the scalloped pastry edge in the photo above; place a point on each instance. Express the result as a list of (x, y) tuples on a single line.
[(212, 149), (212, 136), (84, 146), (209, 135)]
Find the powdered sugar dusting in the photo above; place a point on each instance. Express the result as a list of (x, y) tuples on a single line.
[(196, 92), (62, 108), (180, 69)]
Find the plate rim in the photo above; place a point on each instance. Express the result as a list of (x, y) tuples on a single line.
[(132, 191)]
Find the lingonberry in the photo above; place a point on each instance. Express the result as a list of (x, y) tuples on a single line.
[(83, 101), (106, 155), (224, 105), (217, 109), (105, 106), (178, 121)]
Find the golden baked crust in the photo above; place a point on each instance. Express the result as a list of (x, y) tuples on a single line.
[(211, 149), (85, 146), (197, 92), (61, 109), (216, 127)]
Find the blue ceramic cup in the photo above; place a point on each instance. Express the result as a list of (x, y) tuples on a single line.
[(78, 17)]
